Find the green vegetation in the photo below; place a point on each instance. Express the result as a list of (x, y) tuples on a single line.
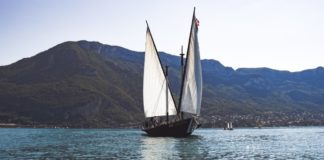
[(88, 84)]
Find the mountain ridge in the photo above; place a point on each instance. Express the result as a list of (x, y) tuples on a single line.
[(89, 84)]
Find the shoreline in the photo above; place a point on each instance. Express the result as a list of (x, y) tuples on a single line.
[(13, 125)]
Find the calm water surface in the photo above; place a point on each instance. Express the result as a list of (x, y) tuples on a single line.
[(268, 143)]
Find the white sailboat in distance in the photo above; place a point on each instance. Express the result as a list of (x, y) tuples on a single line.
[(163, 117)]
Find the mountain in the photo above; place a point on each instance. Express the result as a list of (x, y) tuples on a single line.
[(89, 84)]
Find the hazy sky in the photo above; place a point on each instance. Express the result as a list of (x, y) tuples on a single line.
[(280, 34)]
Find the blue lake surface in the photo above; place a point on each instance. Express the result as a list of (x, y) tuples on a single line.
[(266, 143)]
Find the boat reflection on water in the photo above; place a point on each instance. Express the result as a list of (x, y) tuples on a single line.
[(173, 148), (157, 148)]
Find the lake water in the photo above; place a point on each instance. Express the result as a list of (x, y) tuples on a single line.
[(267, 143)]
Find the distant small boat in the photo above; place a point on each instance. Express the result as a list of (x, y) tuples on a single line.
[(229, 126)]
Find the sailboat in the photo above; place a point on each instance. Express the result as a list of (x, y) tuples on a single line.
[(229, 126), (163, 117)]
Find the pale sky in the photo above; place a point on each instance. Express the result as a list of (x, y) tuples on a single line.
[(279, 34)]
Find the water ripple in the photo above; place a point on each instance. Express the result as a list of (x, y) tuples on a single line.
[(273, 143)]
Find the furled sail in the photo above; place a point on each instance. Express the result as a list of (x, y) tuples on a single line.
[(155, 86), (191, 90)]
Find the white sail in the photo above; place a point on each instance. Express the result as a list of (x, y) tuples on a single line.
[(154, 83), (192, 84)]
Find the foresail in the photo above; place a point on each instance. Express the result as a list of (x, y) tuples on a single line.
[(154, 83), (192, 83)]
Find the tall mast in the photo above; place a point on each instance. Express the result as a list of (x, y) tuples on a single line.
[(181, 75), (181, 56), (185, 65), (166, 92)]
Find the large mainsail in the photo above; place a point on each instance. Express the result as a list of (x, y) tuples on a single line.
[(191, 90), (155, 83)]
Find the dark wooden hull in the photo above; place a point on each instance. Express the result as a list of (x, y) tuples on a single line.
[(179, 128)]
